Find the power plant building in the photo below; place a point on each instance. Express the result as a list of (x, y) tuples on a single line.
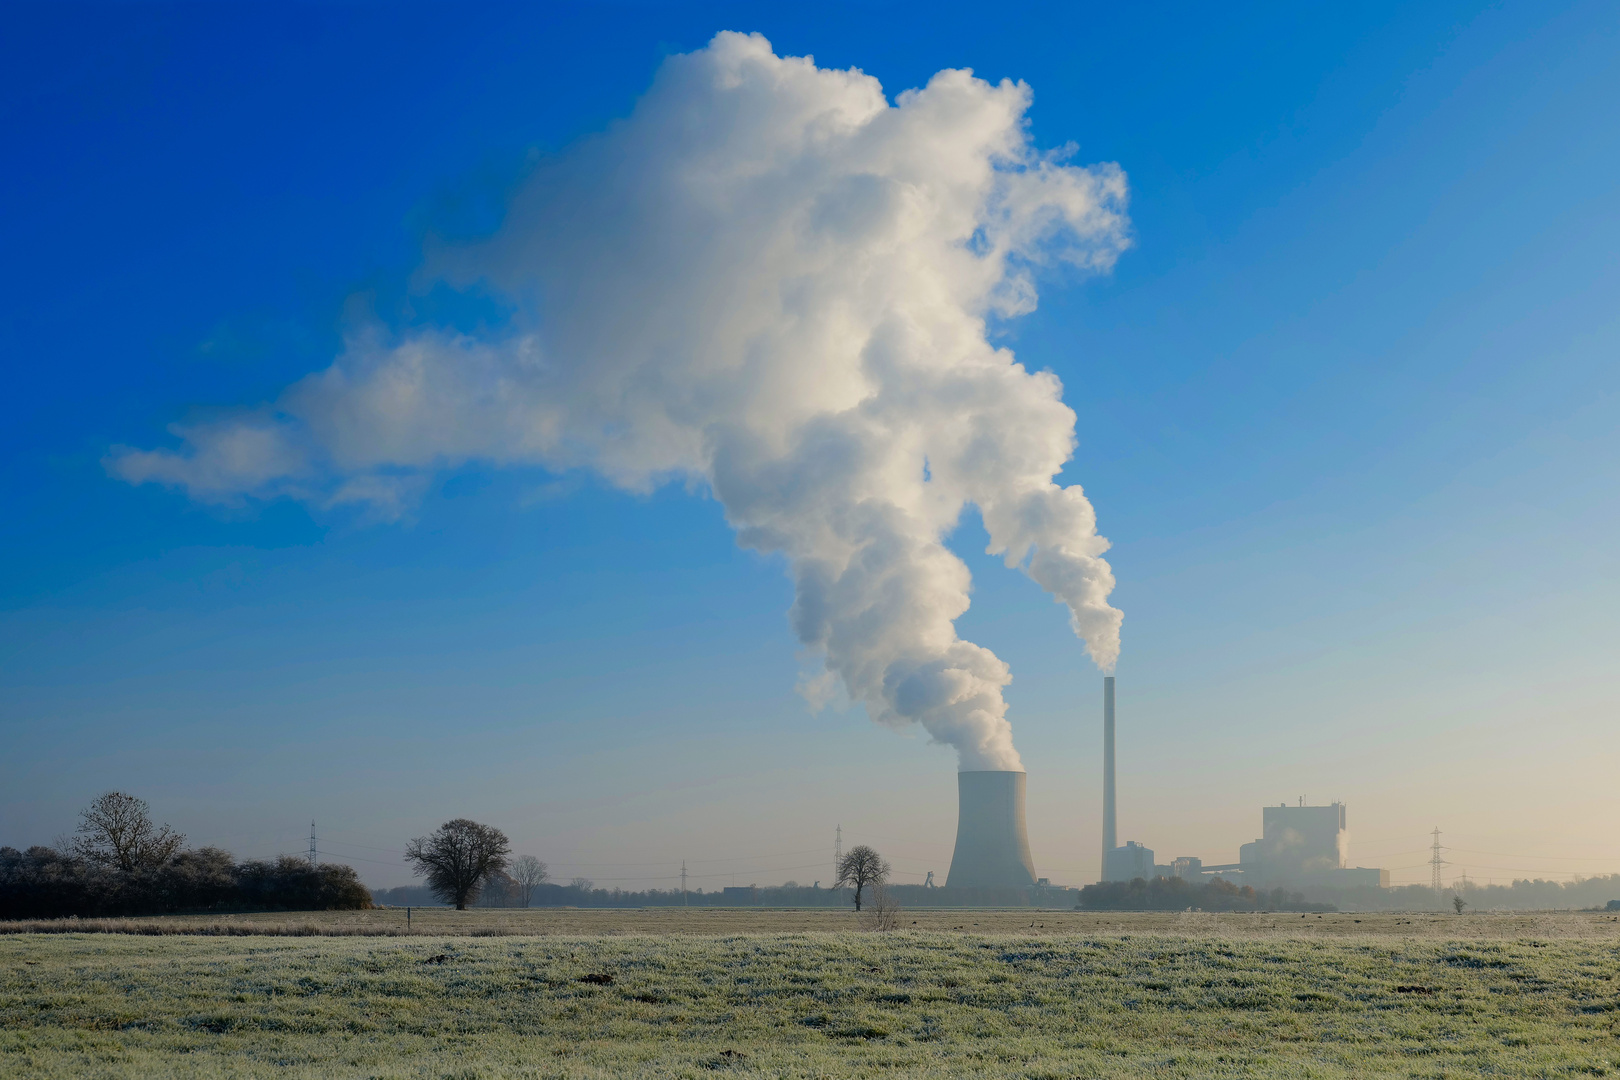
[(1303, 845), (1299, 845), (1128, 863), (1297, 841)]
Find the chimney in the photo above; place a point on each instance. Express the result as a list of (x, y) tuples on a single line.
[(992, 846), (1110, 836)]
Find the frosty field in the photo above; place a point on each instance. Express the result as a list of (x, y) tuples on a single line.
[(1186, 998)]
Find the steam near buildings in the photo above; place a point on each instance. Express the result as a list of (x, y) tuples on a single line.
[(1299, 846), (771, 283)]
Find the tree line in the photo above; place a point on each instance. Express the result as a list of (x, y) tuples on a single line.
[(468, 863), (119, 862), (1521, 894)]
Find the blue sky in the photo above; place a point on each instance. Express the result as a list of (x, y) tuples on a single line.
[(1347, 411)]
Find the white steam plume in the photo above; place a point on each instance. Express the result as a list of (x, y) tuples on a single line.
[(772, 281)]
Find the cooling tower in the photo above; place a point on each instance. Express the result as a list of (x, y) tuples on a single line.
[(992, 848)]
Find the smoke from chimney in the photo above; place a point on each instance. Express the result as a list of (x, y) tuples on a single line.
[(771, 284)]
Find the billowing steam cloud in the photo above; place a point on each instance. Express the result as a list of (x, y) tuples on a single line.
[(772, 281)]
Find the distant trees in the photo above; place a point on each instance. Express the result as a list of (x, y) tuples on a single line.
[(292, 883), (120, 863), (117, 830), (1458, 903), (529, 873), (458, 857), (499, 889), (862, 868), (404, 896)]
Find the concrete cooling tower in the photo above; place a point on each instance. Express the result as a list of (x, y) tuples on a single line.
[(992, 847)]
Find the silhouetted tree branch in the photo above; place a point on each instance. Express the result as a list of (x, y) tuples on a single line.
[(457, 858), (861, 867), (116, 830), (529, 873)]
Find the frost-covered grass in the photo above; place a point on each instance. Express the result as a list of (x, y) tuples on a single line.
[(812, 1004), (392, 922)]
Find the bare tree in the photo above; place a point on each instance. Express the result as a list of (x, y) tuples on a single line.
[(863, 868), (1458, 903), (499, 889), (529, 873), (117, 830), (458, 858), (583, 884), (883, 913)]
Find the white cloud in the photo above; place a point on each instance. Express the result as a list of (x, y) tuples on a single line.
[(770, 280), (251, 453)]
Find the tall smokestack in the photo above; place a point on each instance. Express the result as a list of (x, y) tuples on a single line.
[(992, 846), (1110, 837)]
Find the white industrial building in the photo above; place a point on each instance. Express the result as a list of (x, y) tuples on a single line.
[(1298, 846)]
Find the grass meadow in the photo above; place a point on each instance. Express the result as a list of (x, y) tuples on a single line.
[(1174, 996)]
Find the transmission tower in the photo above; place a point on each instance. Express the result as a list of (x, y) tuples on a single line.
[(1435, 863), (312, 841), (838, 851), (683, 883)]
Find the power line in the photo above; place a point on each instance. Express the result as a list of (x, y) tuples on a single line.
[(368, 847), (1383, 839), (671, 862), (758, 870), (903, 840), (361, 858), (675, 876), (624, 863), (1360, 853), (1535, 870), (1557, 858)]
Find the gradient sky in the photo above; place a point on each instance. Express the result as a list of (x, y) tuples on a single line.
[(1347, 411)]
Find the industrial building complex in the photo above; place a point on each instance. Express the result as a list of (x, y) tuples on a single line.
[(1299, 845)]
